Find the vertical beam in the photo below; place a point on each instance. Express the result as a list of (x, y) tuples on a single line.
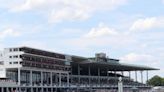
[(136, 76), (89, 71), (71, 75), (42, 89), (141, 76), (115, 77), (79, 73), (7, 89), (107, 76), (31, 78), (31, 89), (41, 77), (98, 75), (147, 75), (129, 75), (67, 79), (122, 73), (59, 79), (19, 76), (25, 89), (51, 78), (36, 89), (1, 89)]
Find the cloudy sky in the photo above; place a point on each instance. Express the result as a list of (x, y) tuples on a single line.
[(130, 30)]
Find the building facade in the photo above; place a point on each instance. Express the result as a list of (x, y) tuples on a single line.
[(25, 69)]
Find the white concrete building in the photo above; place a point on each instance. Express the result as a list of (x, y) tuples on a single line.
[(26, 69)]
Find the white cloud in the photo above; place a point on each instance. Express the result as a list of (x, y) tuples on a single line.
[(141, 58), (101, 31), (9, 32), (147, 23), (101, 36), (27, 5), (60, 10)]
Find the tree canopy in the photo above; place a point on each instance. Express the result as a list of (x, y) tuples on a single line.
[(156, 81)]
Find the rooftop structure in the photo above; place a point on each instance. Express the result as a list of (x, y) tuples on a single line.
[(28, 69)]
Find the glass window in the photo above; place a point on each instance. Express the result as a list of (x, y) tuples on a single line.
[(10, 50), (15, 62)]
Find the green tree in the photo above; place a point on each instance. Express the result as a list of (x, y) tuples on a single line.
[(156, 81)]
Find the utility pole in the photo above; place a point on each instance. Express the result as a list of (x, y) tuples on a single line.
[(120, 85)]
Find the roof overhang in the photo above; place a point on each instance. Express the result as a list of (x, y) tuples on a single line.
[(117, 66)]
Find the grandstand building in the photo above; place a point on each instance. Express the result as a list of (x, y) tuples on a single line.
[(25, 69)]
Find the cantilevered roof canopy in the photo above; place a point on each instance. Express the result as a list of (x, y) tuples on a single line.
[(112, 66)]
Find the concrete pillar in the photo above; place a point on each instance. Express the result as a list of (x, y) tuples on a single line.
[(120, 85), (51, 89), (46, 89), (122, 73), (51, 78), (79, 73), (7, 89), (42, 89), (31, 77), (136, 76), (41, 78), (129, 75), (36, 89), (89, 73), (67, 79), (31, 89), (98, 75), (108, 76), (19, 76), (147, 75), (59, 79), (115, 77), (141, 76), (1, 89), (25, 89)]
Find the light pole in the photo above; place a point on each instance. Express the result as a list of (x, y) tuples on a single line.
[(120, 85)]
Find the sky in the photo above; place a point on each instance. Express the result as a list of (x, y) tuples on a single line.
[(129, 30)]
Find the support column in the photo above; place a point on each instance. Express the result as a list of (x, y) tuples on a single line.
[(122, 73), (19, 76), (31, 89), (36, 89), (59, 79), (98, 75), (41, 73), (2, 89), (67, 79), (115, 77), (129, 75), (136, 75), (25, 89), (79, 73), (89, 71), (141, 76), (51, 78), (147, 75), (42, 89), (107, 76), (31, 78), (7, 89)]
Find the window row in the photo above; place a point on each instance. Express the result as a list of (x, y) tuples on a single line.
[(45, 66), (15, 56), (43, 53), (13, 49), (42, 60), (15, 62)]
